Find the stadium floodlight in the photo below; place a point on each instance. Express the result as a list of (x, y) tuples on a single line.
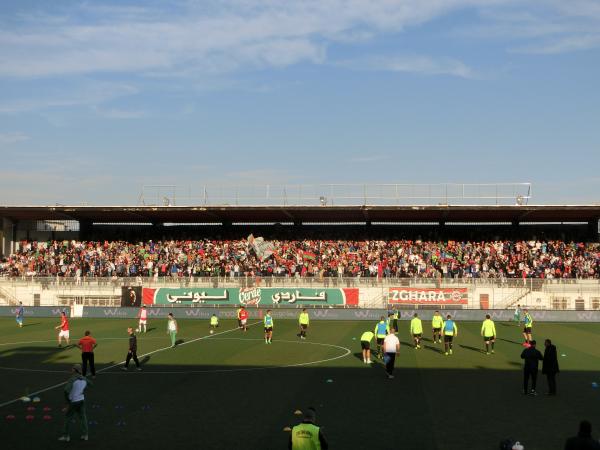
[(323, 200)]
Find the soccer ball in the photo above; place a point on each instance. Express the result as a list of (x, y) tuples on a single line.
[(211, 331), (137, 330)]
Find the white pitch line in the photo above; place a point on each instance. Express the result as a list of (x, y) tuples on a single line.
[(183, 372), (250, 369), (41, 391)]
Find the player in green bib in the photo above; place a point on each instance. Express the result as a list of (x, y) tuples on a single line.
[(303, 321), (449, 330), (214, 323), (488, 331), (268, 322), (381, 331), (527, 328), (365, 345), (517, 315), (416, 330), (437, 322)]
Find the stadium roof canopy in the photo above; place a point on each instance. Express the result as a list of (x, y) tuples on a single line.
[(301, 214)]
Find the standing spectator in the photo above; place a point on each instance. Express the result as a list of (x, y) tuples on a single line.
[(87, 344), (64, 329), (391, 347), (532, 356), (132, 352), (20, 314), (584, 439), (172, 329), (550, 365), (74, 394)]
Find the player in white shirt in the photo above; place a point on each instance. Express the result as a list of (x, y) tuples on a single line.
[(391, 347), (143, 316)]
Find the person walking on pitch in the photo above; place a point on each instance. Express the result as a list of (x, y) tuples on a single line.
[(365, 345), (450, 331), (214, 323), (527, 327), (416, 330), (268, 322), (87, 344), (64, 329), (381, 331), (488, 331), (532, 357), (143, 319), (391, 348), (395, 316), (20, 315), (437, 322), (304, 321), (517, 315), (75, 397), (243, 316), (550, 366), (132, 352), (172, 329)]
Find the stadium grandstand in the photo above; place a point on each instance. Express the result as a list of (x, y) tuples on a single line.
[(527, 253)]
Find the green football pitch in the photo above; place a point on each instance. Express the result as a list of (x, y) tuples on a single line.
[(232, 391)]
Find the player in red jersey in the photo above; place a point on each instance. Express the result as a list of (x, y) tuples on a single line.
[(64, 329), (243, 317)]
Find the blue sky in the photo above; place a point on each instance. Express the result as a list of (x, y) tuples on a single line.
[(98, 98)]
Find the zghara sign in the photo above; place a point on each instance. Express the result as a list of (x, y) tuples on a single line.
[(418, 296)]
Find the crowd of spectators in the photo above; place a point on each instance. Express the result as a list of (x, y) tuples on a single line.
[(306, 258)]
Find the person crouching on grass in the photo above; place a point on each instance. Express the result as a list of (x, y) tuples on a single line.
[(74, 395), (172, 329)]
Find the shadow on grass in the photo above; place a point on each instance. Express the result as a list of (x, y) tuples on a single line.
[(179, 341), (473, 349), (509, 341), (433, 349), (31, 324)]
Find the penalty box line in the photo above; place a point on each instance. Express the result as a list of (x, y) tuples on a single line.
[(104, 369)]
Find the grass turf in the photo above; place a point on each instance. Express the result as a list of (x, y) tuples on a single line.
[(231, 390)]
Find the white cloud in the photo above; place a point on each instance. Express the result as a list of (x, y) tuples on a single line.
[(412, 64), (221, 37), (12, 138)]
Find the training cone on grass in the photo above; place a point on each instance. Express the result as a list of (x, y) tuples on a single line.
[(298, 412), (47, 417), (10, 417), (47, 408), (25, 399), (29, 418), (329, 381), (35, 400), (31, 408), (288, 429)]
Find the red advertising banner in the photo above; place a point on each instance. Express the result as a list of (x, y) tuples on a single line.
[(426, 296)]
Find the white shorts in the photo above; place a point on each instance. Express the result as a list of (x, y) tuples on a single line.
[(142, 322), (64, 333), (243, 321)]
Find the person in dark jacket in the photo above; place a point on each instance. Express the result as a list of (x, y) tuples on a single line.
[(584, 439), (550, 366), (532, 356)]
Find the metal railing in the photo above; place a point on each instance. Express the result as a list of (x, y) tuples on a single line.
[(337, 194)]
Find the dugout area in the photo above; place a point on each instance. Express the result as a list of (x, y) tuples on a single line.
[(230, 390)]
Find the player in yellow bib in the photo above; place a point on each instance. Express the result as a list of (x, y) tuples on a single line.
[(303, 321), (488, 331), (437, 322), (416, 330)]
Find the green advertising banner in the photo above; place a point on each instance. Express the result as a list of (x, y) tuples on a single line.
[(249, 296)]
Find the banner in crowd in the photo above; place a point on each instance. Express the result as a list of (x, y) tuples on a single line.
[(262, 248), (428, 296), (131, 296), (249, 296)]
